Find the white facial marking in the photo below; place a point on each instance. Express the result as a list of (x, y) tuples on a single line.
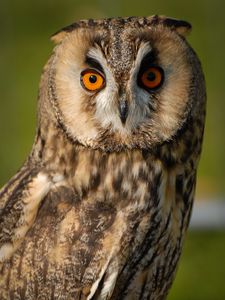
[(107, 112)]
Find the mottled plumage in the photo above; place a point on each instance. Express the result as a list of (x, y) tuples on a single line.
[(101, 206)]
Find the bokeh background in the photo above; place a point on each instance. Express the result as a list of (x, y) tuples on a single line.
[(25, 28)]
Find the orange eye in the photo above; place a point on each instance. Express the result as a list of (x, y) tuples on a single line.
[(92, 80), (152, 78)]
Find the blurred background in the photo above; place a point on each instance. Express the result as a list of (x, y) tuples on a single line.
[(25, 28)]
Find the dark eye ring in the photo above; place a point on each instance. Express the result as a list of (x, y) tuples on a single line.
[(152, 78)]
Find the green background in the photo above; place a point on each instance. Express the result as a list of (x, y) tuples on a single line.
[(25, 28)]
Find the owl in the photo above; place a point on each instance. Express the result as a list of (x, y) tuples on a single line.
[(100, 208)]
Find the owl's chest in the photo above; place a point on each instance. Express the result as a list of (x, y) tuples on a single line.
[(110, 197), (120, 179)]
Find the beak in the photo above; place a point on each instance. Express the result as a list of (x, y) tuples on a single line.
[(123, 109)]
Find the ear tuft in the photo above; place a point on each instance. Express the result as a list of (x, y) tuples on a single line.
[(58, 36), (61, 34), (181, 27)]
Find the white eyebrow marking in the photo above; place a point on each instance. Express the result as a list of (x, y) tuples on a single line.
[(97, 54), (144, 49)]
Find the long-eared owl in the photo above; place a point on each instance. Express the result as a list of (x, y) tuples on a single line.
[(100, 208)]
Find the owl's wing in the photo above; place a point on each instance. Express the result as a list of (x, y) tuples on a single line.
[(67, 252), (62, 240), (185, 191), (19, 202)]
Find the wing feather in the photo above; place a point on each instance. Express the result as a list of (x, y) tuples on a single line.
[(20, 200)]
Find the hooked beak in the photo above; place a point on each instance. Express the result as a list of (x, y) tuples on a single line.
[(123, 109)]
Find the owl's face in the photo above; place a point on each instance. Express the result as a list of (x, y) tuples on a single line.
[(116, 84)]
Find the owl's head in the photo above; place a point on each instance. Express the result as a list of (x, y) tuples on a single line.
[(123, 83)]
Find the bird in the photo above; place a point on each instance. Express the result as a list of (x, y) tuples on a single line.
[(102, 204)]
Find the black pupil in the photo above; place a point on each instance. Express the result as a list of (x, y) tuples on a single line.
[(151, 76), (93, 78)]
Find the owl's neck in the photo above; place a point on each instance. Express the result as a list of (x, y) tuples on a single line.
[(85, 168)]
